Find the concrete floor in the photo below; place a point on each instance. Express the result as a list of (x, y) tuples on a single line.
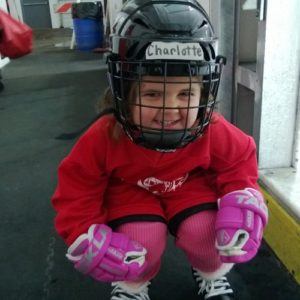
[(52, 91)]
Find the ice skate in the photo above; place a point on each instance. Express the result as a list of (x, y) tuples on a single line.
[(123, 292), (218, 289)]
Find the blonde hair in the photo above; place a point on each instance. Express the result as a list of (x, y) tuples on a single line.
[(106, 101)]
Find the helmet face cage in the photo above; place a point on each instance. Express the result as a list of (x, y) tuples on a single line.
[(128, 70)]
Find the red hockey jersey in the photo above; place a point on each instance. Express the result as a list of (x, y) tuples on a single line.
[(105, 178)]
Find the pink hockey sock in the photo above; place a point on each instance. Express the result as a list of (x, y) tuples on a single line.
[(196, 237), (153, 236)]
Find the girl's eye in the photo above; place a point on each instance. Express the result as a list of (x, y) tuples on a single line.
[(150, 95), (187, 94)]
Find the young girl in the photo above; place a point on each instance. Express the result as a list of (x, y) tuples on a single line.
[(160, 160)]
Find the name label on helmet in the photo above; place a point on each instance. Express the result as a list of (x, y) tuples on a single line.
[(174, 50)]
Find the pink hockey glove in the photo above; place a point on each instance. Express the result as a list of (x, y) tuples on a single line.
[(107, 256), (240, 221)]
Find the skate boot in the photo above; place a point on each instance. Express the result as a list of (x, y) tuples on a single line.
[(218, 289), (123, 292)]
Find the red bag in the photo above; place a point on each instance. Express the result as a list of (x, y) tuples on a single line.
[(15, 37)]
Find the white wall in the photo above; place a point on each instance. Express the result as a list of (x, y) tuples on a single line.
[(56, 19), (3, 5), (280, 84), (15, 9), (296, 158)]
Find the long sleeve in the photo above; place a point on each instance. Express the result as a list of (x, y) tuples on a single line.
[(233, 158), (82, 180)]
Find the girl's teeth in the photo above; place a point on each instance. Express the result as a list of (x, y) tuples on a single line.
[(166, 122)]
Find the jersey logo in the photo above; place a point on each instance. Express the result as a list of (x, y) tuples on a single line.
[(158, 186)]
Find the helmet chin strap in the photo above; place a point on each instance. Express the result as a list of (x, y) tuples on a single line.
[(167, 141)]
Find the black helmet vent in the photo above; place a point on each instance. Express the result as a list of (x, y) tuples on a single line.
[(131, 51), (212, 51), (141, 22), (203, 24), (206, 54), (141, 52)]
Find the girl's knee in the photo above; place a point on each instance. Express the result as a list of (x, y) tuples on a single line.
[(196, 237), (197, 229)]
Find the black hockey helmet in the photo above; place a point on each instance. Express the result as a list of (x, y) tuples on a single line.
[(163, 38)]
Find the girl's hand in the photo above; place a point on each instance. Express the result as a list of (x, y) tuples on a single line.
[(107, 256), (240, 221)]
